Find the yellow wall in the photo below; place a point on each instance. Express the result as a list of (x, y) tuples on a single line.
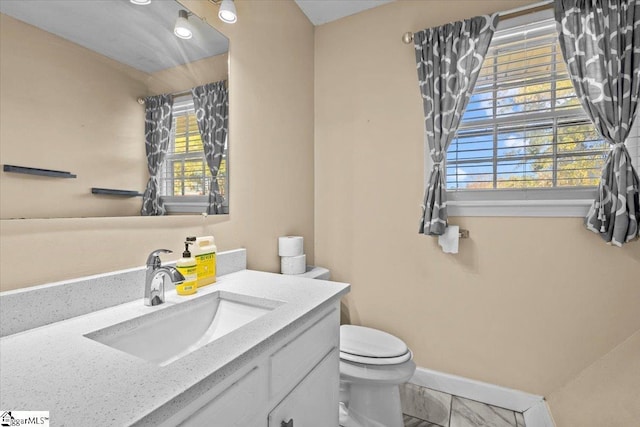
[(528, 303), (271, 158), (604, 394)]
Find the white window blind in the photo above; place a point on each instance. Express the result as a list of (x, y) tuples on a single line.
[(524, 128)]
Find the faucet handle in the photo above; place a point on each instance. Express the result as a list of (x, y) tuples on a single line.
[(153, 260)]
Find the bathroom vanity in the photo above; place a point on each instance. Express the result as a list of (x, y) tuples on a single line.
[(279, 369)]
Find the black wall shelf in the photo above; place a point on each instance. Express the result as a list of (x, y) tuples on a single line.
[(113, 192), (37, 171)]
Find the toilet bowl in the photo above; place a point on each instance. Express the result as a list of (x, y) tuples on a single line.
[(373, 364)]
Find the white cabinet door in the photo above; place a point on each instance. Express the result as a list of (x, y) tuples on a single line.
[(291, 363), (314, 402)]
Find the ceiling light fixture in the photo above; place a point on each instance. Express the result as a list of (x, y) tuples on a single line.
[(140, 2), (227, 12), (182, 28)]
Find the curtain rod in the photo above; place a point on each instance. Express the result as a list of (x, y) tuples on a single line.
[(177, 94), (507, 14)]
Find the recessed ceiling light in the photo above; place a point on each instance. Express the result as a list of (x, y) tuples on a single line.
[(140, 2)]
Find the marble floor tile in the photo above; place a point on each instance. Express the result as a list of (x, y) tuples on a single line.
[(520, 420), (416, 422), (425, 404), (469, 413)]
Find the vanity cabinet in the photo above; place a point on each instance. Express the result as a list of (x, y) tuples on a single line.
[(295, 381)]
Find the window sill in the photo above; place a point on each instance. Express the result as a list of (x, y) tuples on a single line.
[(523, 208), (198, 208)]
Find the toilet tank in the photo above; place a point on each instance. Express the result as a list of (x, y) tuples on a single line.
[(314, 272)]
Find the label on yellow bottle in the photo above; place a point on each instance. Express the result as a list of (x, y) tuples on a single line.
[(206, 268), (186, 288), (189, 286)]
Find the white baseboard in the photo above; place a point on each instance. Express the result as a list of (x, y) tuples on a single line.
[(538, 416), (536, 412)]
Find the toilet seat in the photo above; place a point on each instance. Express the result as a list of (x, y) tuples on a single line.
[(369, 346)]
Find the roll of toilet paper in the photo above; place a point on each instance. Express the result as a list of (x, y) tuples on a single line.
[(293, 264), (449, 240), (290, 246)]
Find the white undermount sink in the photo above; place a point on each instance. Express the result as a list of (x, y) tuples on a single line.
[(166, 335)]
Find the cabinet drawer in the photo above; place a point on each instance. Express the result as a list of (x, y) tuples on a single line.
[(293, 361)]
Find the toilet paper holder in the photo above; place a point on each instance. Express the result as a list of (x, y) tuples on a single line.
[(464, 234)]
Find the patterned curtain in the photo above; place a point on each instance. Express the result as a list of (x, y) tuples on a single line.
[(157, 132), (448, 59), (600, 41), (211, 102)]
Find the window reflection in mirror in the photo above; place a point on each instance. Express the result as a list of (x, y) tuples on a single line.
[(185, 178)]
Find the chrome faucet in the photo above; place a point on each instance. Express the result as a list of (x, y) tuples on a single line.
[(155, 277)]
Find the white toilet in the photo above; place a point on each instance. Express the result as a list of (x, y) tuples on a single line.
[(373, 364)]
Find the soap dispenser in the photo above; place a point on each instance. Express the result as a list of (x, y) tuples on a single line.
[(188, 267), (204, 250)]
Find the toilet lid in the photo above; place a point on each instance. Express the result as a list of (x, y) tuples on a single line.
[(368, 342), (379, 361)]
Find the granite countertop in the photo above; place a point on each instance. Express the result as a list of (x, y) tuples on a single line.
[(80, 381)]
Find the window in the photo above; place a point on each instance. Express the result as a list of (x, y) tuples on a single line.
[(524, 141), (185, 176)]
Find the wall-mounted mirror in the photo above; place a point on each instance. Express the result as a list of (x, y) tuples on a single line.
[(71, 74)]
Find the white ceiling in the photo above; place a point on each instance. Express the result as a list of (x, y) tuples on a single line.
[(142, 36), (139, 36), (322, 11)]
